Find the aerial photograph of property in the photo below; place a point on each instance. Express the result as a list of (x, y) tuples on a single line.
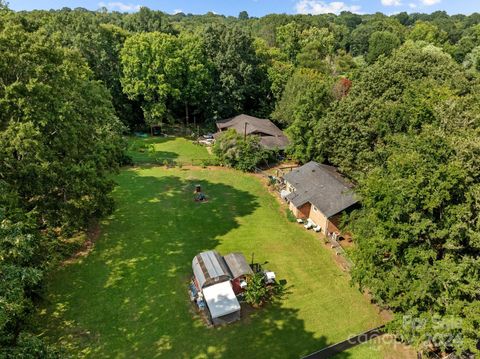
[(252, 179)]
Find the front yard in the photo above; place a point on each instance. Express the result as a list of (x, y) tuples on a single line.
[(128, 298)]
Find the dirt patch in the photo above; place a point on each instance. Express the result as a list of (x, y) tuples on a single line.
[(393, 349), (92, 234)]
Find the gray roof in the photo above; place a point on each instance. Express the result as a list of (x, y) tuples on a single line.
[(271, 136), (210, 268), (237, 264), (322, 186)]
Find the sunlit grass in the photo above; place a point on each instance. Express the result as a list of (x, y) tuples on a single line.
[(160, 149), (128, 298)]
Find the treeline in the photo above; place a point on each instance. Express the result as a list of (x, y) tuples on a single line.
[(220, 66), (393, 101), (59, 141)]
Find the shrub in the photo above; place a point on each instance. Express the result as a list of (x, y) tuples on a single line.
[(234, 150), (210, 162), (290, 216), (258, 293)]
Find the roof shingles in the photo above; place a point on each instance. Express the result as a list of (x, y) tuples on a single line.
[(322, 186), (270, 135)]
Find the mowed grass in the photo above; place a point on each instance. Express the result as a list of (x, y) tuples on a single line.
[(159, 149), (128, 298)]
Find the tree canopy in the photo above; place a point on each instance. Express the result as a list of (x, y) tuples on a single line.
[(392, 101)]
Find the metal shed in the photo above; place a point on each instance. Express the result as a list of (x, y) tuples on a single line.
[(210, 268), (237, 264)]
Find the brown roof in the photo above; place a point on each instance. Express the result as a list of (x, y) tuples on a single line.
[(237, 264), (271, 136)]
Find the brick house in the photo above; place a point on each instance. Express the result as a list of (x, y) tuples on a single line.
[(319, 193)]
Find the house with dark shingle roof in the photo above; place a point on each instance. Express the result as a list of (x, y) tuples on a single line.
[(271, 137), (318, 192)]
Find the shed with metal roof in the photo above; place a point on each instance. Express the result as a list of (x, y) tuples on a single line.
[(238, 265), (210, 268)]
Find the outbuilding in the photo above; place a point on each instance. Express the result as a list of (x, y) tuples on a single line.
[(222, 303), (271, 137), (239, 268), (212, 278), (209, 268)]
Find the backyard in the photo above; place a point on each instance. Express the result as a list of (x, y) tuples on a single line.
[(128, 297), (160, 149)]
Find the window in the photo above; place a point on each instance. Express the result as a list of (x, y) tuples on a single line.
[(315, 209)]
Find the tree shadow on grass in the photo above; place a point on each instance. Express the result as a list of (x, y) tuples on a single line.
[(129, 298), (142, 150)]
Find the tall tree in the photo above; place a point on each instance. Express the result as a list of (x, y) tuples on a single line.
[(393, 95), (307, 96), (425, 31), (60, 137), (239, 83), (381, 43), (152, 71), (196, 78), (59, 143), (288, 38), (417, 237), (317, 49)]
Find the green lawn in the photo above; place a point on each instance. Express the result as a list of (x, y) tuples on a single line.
[(159, 149), (128, 298)]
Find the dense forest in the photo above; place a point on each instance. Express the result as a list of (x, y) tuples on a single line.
[(392, 101)]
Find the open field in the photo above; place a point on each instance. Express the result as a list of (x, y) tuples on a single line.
[(128, 297), (159, 149)]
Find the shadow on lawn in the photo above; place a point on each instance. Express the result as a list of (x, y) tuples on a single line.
[(130, 294), (142, 150)]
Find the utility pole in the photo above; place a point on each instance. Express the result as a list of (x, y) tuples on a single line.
[(245, 132)]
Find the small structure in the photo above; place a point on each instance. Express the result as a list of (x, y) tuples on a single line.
[(209, 268), (222, 303), (319, 194), (239, 269), (212, 278), (271, 137), (156, 130), (217, 281)]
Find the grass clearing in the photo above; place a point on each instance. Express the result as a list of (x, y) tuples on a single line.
[(160, 149), (128, 298)]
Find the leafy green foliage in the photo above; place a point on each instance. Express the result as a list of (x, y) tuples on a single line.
[(394, 95), (196, 80), (288, 38), (59, 142), (238, 82), (237, 151), (424, 31), (317, 49), (258, 293), (424, 239), (400, 118), (381, 43), (307, 96), (151, 72), (60, 137)]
